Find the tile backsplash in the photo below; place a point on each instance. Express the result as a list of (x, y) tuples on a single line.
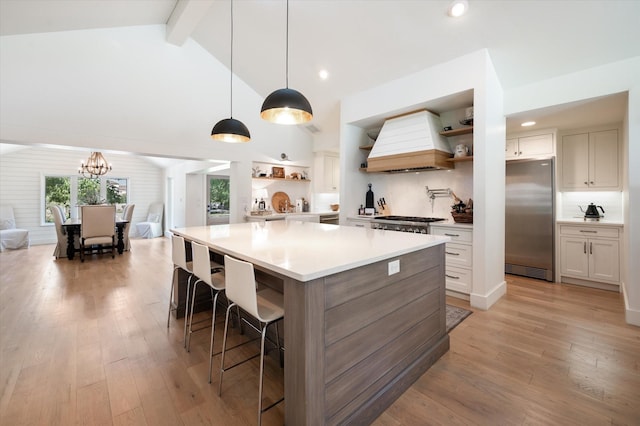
[(611, 202)]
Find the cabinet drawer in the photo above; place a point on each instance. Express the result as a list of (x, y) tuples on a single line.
[(458, 254), (589, 231), (456, 234), (458, 279)]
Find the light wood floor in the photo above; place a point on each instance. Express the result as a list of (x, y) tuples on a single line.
[(87, 343)]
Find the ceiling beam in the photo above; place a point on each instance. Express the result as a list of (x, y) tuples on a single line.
[(185, 18)]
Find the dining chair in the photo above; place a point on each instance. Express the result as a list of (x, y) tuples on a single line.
[(98, 228), (127, 214), (266, 306), (216, 282), (59, 218)]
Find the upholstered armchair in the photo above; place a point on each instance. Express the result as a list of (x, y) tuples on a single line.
[(10, 236), (153, 226)]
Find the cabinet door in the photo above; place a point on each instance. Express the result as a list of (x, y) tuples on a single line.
[(511, 150), (603, 160), (331, 173), (575, 161), (574, 257), (604, 259), (532, 146)]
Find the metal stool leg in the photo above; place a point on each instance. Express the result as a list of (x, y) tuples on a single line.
[(264, 335), (173, 282), (186, 311), (213, 330), (193, 302), (224, 346)]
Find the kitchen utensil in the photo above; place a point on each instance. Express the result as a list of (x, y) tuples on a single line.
[(369, 199), (280, 202)]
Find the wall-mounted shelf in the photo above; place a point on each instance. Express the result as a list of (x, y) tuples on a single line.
[(280, 179), (366, 147), (457, 132), (460, 159)]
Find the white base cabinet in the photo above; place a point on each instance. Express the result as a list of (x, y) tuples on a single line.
[(590, 253), (458, 257)]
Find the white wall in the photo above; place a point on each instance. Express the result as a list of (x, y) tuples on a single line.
[(21, 180), (604, 80), (470, 72)]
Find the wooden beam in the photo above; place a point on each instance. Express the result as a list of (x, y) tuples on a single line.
[(185, 18)]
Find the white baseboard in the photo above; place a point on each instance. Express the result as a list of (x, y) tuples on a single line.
[(484, 302), (631, 316)]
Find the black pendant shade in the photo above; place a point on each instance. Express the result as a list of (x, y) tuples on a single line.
[(286, 106), (230, 130)]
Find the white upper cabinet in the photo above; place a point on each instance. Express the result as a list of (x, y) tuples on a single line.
[(590, 161), (529, 146), (329, 172)]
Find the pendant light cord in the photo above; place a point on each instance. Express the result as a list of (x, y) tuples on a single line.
[(287, 50), (231, 66)]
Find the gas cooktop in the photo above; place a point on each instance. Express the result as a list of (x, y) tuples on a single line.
[(410, 219)]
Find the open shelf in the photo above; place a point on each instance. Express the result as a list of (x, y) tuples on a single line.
[(366, 147), (287, 179), (460, 159), (457, 132)]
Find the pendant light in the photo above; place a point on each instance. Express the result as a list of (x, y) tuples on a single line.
[(229, 129), (286, 106)]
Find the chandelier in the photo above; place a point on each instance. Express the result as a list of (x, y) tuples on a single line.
[(95, 166)]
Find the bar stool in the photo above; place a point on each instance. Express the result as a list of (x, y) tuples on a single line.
[(266, 306), (203, 271), (179, 258)]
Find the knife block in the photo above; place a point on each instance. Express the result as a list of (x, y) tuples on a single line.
[(385, 210)]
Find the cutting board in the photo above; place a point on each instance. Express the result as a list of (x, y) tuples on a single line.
[(280, 201)]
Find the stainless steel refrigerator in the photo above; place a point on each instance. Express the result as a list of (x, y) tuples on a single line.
[(529, 219)]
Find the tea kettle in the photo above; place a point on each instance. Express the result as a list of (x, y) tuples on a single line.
[(592, 211)]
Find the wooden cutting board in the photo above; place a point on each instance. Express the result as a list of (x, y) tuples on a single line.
[(280, 201)]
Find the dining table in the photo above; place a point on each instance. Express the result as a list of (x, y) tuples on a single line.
[(73, 227), (364, 310)]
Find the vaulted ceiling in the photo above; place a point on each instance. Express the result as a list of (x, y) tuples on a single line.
[(362, 43)]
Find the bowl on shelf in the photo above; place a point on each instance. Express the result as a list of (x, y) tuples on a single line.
[(335, 207)]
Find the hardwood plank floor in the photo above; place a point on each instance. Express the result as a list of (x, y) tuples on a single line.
[(87, 343)]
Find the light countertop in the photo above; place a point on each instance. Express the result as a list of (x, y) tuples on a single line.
[(283, 215), (581, 221), (304, 250), (450, 223)]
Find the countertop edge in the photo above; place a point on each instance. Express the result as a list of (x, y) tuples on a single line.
[(582, 222)]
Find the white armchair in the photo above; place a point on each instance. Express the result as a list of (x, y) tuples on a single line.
[(10, 236), (152, 228)]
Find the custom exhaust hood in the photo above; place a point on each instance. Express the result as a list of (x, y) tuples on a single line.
[(410, 142)]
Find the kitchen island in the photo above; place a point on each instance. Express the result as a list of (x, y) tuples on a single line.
[(364, 310)]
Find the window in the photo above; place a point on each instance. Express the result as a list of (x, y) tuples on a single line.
[(72, 191), (218, 195), (57, 191)]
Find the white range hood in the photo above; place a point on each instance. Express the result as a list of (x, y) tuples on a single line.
[(410, 142)]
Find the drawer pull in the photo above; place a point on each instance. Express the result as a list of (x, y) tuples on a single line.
[(451, 235), (452, 254), (588, 232), (451, 276)]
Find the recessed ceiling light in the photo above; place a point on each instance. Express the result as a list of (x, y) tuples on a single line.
[(528, 123), (458, 8), (324, 74)]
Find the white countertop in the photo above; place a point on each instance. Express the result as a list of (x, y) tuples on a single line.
[(304, 250), (450, 223), (283, 215), (581, 221)]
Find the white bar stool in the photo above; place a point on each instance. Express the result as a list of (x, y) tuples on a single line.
[(203, 271), (179, 258), (266, 306)]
